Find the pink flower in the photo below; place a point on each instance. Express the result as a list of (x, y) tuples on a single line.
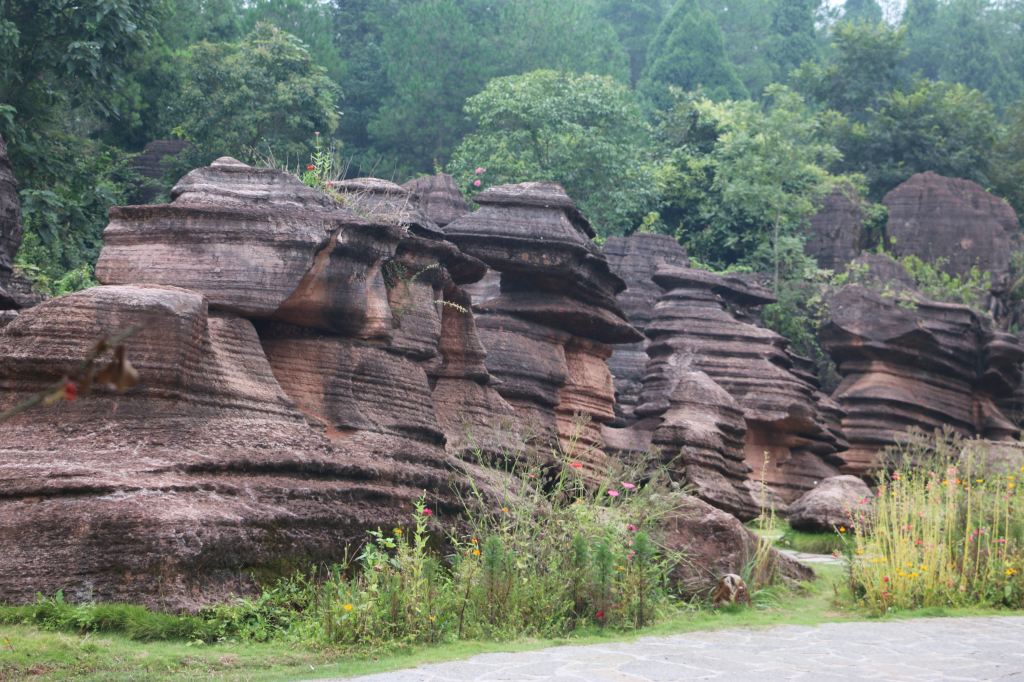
[(480, 171), (632, 528), (628, 486), (477, 183), (613, 493), (576, 465), (427, 511)]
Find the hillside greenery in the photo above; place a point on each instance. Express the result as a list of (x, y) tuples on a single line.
[(721, 123)]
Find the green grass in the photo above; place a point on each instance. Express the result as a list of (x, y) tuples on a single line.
[(29, 652)]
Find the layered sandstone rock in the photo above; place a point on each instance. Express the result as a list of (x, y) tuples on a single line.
[(314, 374), (910, 362), (549, 330), (438, 197), (834, 238), (775, 425), (635, 259), (935, 217), (171, 494)]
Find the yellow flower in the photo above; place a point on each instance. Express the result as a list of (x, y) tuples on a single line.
[(1011, 485), (397, 531), (914, 574), (476, 552), (842, 529), (504, 510), (432, 618), (1010, 572), (347, 607)]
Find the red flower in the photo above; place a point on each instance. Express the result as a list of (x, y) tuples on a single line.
[(885, 579), (310, 166), (427, 511), (576, 465), (70, 390), (599, 615)]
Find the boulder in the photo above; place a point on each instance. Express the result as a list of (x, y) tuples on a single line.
[(933, 217), (910, 362), (714, 543), (838, 501), (834, 238), (438, 197)]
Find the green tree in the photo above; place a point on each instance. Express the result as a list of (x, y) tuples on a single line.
[(747, 31), (794, 40), (868, 11), (688, 52), (586, 132), (636, 22), (311, 21), (739, 182), (263, 92), (1007, 168)]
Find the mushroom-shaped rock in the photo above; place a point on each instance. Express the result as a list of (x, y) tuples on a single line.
[(258, 243), (438, 197), (382, 201), (935, 217), (173, 493), (835, 503)]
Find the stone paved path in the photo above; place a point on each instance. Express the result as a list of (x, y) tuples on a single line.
[(990, 648)]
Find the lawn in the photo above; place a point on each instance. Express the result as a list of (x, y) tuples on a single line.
[(27, 652)]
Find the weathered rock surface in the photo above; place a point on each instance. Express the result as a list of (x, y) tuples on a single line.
[(907, 361), (548, 330), (934, 217), (259, 243), (715, 543), (438, 197), (838, 501), (315, 374), (635, 259), (834, 238), (697, 326), (172, 493)]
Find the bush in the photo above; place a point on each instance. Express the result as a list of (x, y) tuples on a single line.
[(943, 531)]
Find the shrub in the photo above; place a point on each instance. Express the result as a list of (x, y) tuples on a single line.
[(944, 531)]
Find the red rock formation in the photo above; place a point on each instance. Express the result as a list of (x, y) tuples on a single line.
[(438, 197), (171, 494), (264, 441), (934, 217), (549, 331), (635, 259), (697, 326), (908, 362), (835, 234)]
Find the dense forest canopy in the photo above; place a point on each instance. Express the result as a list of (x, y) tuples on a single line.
[(722, 122)]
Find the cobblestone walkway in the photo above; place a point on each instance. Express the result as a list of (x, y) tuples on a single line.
[(990, 648)]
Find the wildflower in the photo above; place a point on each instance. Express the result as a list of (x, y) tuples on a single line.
[(477, 183), (347, 607), (599, 615), (431, 618), (317, 133), (70, 390), (632, 528), (310, 166), (427, 511), (628, 486), (576, 465), (476, 552), (842, 529), (885, 578), (1010, 572), (397, 531), (473, 540), (504, 510), (613, 493), (620, 568), (480, 171)]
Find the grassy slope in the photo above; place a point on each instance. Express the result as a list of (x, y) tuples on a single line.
[(27, 652)]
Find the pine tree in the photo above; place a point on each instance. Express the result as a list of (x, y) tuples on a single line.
[(688, 51), (794, 40), (862, 10)]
